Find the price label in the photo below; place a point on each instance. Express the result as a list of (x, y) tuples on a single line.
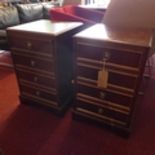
[(102, 81)]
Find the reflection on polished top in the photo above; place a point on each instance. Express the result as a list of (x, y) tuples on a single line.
[(139, 37), (47, 26)]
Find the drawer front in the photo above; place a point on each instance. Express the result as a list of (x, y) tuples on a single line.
[(33, 63), (38, 93), (35, 45), (115, 78), (124, 58), (104, 113), (116, 99), (32, 77)]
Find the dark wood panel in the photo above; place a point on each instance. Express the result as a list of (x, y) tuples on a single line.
[(120, 79), (112, 56), (38, 92), (33, 62), (32, 45), (106, 95), (41, 79), (99, 110)]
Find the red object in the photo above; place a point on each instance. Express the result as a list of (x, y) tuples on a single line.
[(76, 13)]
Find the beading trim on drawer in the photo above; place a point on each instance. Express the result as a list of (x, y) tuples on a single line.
[(33, 56), (102, 45), (51, 76), (107, 89), (31, 52), (82, 61), (112, 86), (51, 91), (22, 67), (40, 99), (25, 82), (109, 70), (105, 104), (101, 116)]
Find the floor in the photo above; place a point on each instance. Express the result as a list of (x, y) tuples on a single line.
[(30, 130), (5, 58)]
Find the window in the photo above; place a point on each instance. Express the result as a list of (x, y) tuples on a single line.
[(98, 2)]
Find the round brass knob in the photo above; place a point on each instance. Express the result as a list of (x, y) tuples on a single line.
[(35, 79), (100, 110), (29, 45), (38, 93), (72, 81), (107, 55), (32, 63), (102, 95)]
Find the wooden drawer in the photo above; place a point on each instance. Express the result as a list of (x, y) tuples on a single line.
[(110, 97), (36, 78), (121, 79), (33, 62), (38, 93), (119, 57), (107, 114), (33, 44)]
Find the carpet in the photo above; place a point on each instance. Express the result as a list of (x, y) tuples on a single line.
[(31, 130)]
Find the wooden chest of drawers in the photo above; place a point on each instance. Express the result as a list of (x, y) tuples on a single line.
[(42, 56), (120, 55)]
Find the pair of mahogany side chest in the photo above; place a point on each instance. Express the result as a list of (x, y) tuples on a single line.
[(106, 65)]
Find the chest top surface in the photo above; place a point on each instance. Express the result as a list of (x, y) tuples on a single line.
[(46, 27), (137, 37)]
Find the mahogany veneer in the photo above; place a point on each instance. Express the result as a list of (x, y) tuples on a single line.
[(122, 53), (42, 56)]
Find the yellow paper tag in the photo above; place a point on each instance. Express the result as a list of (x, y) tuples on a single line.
[(102, 81)]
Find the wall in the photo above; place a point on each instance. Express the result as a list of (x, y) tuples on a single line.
[(70, 2)]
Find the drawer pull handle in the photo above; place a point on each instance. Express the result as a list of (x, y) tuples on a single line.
[(29, 45), (38, 93), (32, 63), (106, 56), (100, 110), (102, 95), (35, 79)]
